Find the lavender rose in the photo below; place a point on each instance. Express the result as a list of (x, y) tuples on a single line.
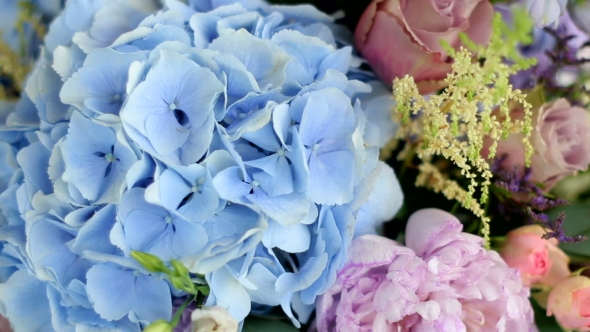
[(399, 37), (561, 143), (442, 281)]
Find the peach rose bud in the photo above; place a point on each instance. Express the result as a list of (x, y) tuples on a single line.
[(539, 261), (569, 301)]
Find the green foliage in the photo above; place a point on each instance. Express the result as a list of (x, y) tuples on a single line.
[(257, 324), (577, 223)]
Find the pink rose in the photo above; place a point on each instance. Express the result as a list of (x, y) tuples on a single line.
[(539, 261), (560, 139), (399, 37), (569, 301), (442, 281)]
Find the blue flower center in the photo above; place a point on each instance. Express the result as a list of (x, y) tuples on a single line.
[(172, 106), (116, 98), (109, 157), (281, 152), (255, 184), (315, 147), (168, 219)]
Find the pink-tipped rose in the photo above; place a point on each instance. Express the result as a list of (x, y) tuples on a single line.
[(399, 37), (442, 281), (560, 139), (539, 261), (569, 301)]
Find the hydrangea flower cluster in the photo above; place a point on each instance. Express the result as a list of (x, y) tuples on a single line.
[(237, 137)]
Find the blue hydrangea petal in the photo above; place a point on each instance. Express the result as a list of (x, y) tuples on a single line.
[(266, 64), (76, 16), (264, 138), (328, 114), (165, 133), (31, 159), (94, 235), (293, 238), (67, 60), (230, 185), (384, 202), (332, 176), (308, 273), (204, 25), (152, 229), (112, 20), (96, 164), (286, 209), (197, 143), (277, 178), (53, 260), (233, 232), (115, 292), (59, 313), (25, 304), (43, 88), (240, 81), (176, 89), (229, 293), (306, 54), (100, 84)]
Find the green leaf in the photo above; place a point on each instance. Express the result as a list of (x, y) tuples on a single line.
[(257, 324), (577, 222)]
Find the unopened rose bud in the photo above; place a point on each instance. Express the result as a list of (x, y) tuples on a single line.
[(569, 301), (540, 261)]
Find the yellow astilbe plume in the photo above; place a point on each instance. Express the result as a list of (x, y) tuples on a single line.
[(476, 104), (15, 65)]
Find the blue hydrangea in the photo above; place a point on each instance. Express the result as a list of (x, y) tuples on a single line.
[(237, 137)]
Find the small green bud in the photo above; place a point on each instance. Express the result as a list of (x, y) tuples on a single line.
[(179, 269), (159, 326), (151, 262)]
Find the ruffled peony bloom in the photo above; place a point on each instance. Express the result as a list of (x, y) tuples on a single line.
[(569, 302), (442, 281), (540, 261), (402, 37)]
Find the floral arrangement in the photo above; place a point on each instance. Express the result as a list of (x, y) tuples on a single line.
[(217, 165)]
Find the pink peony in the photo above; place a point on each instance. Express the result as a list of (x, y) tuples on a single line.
[(569, 301), (539, 261), (442, 281), (399, 37)]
